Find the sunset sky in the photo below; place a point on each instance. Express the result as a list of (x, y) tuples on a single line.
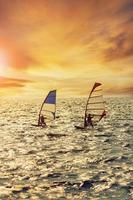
[(66, 45)]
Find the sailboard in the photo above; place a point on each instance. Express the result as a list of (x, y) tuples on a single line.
[(95, 106), (48, 108)]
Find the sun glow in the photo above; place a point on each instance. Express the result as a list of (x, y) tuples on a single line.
[(3, 63)]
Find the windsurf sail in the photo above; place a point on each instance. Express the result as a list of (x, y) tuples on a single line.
[(48, 108), (95, 106)]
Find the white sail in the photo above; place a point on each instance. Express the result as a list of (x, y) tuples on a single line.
[(48, 108), (95, 105)]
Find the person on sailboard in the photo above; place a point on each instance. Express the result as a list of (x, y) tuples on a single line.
[(89, 120), (42, 121)]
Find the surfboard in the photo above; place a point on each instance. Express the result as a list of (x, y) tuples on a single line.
[(80, 127)]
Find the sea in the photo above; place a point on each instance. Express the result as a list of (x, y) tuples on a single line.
[(60, 162)]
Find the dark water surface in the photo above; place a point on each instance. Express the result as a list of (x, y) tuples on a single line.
[(60, 162)]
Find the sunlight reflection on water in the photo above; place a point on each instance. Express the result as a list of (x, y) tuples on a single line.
[(60, 162)]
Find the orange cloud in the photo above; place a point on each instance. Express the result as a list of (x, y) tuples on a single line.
[(6, 82), (118, 90), (16, 58), (122, 47), (87, 38)]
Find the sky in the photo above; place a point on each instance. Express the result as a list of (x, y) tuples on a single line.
[(66, 45)]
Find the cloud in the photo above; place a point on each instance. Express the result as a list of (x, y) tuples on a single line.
[(42, 41), (73, 37), (6, 82), (82, 86), (126, 90), (16, 57), (121, 48), (127, 7), (21, 61)]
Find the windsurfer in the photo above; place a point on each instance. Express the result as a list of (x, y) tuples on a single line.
[(89, 120), (42, 121)]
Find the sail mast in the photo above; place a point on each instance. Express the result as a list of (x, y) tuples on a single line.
[(86, 109), (40, 113)]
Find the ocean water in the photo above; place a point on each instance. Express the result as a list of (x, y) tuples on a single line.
[(60, 162)]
